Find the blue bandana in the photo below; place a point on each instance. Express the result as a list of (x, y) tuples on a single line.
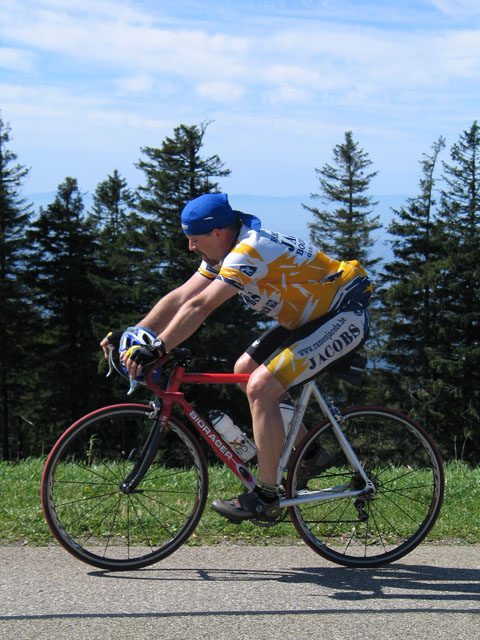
[(213, 211)]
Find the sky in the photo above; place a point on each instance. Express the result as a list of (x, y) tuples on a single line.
[(85, 85)]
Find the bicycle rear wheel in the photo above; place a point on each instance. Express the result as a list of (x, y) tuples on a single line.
[(101, 524), (406, 469)]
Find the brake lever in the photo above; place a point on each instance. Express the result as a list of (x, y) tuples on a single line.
[(111, 367), (133, 384)]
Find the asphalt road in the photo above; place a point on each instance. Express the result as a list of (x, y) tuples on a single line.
[(236, 592)]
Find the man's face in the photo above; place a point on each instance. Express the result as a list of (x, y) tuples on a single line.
[(208, 246)]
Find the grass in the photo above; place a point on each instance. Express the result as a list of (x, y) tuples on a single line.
[(22, 522)]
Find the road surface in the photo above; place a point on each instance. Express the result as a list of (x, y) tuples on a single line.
[(235, 592)]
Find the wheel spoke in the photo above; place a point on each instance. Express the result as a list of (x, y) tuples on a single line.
[(406, 470), (95, 518)]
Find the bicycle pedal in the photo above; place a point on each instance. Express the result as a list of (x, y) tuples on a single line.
[(234, 521)]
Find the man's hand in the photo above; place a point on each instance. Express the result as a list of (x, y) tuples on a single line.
[(113, 338), (137, 357)]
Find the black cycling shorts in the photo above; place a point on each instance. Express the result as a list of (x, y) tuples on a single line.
[(298, 355)]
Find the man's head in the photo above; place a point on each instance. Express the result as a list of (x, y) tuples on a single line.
[(207, 212), (211, 225)]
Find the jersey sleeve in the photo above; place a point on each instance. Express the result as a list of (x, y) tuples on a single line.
[(207, 271), (242, 265)]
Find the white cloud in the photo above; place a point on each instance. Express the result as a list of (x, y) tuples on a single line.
[(59, 108), (461, 54), (119, 41), (289, 95), (457, 8), (280, 64), (223, 92), (135, 84), (274, 74), (15, 59), (49, 100), (292, 75), (372, 61)]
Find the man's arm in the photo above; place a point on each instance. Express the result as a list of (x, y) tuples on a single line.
[(188, 318), (166, 308), (162, 313), (194, 311)]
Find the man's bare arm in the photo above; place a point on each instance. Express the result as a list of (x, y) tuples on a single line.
[(194, 311), (189, 318), (160, 316), (162, 313)]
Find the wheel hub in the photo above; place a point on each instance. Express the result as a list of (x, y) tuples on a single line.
[(357, 483)]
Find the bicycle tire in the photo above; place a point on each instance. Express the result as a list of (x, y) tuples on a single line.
[(97, 522), (406, 467)]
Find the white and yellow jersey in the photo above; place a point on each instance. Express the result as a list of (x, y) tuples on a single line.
[(287, 279)]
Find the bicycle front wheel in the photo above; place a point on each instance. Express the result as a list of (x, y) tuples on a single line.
[(85, 503), (406, 469)]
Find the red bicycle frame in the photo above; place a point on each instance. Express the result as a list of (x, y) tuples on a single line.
[(171, 396)]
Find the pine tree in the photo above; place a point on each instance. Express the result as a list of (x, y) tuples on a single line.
[(61, 263), (111, 202), (175, 173), (343, 230), (410, 300), (119, 252), (457, 363), (16, 316)]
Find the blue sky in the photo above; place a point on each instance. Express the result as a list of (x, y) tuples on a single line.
[(85, 84)]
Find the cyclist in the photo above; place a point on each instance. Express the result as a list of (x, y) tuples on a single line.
[(319, 304)]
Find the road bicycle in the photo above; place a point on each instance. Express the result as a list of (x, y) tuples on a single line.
[(126, 485)]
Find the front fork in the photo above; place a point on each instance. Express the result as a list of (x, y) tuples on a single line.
[(149, 450)]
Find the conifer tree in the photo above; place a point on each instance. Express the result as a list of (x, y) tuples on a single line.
[(457, 362), (61, 262), (343, 229), (112, 201), (119, 250), (16, 315), (175, 173), (410, 300)]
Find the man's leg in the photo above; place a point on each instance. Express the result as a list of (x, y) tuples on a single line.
[(264, 393), (245, 364)]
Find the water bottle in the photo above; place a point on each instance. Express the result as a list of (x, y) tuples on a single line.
[(240, 443)]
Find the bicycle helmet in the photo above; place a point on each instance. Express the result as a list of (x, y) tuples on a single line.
[(133, 336)]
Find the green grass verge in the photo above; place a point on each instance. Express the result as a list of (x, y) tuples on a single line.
[(22, 522)]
